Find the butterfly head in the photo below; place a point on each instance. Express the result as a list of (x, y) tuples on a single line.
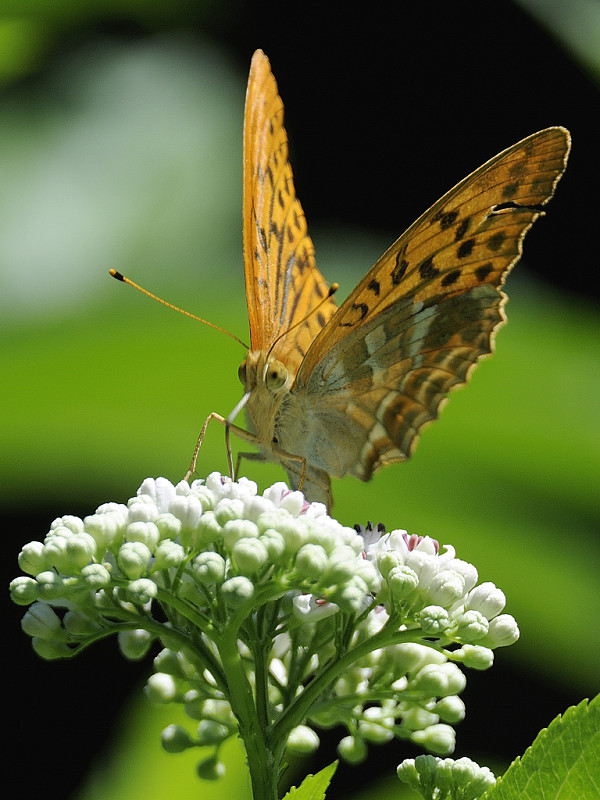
[(267, 383), (261, 371)]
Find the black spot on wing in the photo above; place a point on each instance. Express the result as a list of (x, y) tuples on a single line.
[(451, 277), (495, 242), (465, 248), (448, 219), (375, 287), (510, 189), (462, 229), (483, 271), (427, 270), (400, 267), (363, 308), (518, 168)]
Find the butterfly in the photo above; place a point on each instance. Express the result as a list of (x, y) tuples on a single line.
[(332, 391)]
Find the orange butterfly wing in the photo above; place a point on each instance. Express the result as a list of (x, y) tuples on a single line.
[(418, 322), (282, 282)]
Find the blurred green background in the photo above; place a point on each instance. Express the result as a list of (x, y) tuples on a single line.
[(120, 146)]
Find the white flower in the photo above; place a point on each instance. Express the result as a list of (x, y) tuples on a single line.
[(161, 688), (309, 608), (160, 490), (302, 740), (133, 559), (143, 531), (41, 621), (31, 558), (487, 599), (438, 738), (503, 631)]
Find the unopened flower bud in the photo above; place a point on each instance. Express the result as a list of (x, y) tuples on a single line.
[(487, 599), (42, 621), (407, 772), (237, 529), (446, 587), (210, 769), (79, 624), (470, 626), (50, 649), (143, 531), (302, 740), (377, 732), (161, 688), (72, 523), (141, 509), (439, 738), (237, 590), (450, 709), (55, 553), (352, 749), (209, 568), (169, 526), (402, 582), (106, 528), (168, 554), (95, 576), (31, 558), (210, 732), (159, 491), (311, 561), (176, 739), (133, 559), (416, 718), (275, 543), (50, 586), (433, 620), (134, 644), (387, 561), (228, 509), (142, 591), (209, 530), (23, 590), (81, 549), (439, 680), (249, 555), (503, 631)]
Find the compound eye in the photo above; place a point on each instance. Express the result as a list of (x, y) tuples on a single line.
[(276, 376), (242, 373)]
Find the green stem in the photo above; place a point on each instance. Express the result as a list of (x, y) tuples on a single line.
[(264, 768)]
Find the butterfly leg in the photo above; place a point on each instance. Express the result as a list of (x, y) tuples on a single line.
[(248, 457), (192, 468), (229, 428), (283, 454)]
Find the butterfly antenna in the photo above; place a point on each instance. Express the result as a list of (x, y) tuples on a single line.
[(120, 277), (332, 290)]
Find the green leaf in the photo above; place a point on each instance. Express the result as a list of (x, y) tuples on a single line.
[(562, 764), (313, 787)]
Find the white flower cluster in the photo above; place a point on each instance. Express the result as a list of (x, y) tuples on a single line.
[(362, 629), (444, 778), (439, 591)]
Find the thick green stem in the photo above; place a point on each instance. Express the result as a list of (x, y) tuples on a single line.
[(264, 770)]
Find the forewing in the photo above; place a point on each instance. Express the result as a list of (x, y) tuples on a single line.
[(419, 321), (283, 284)]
